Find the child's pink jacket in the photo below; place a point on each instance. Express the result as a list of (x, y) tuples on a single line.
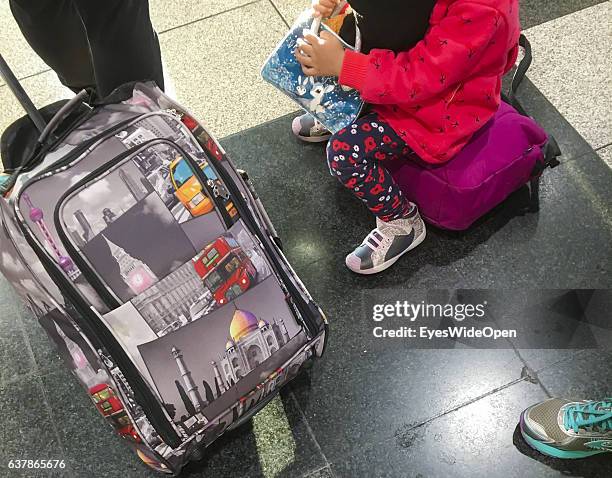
[(439, 93)]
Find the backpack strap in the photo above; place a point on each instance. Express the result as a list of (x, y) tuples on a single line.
[(519, 75), (552, 150), (551, 153)]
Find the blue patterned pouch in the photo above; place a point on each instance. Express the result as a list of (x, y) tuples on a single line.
[(335, 106)]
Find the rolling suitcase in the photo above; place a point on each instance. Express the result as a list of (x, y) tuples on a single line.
[(151, 263)]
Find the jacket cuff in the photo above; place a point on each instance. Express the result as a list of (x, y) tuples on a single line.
[(354, 69)]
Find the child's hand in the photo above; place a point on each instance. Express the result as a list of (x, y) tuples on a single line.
[(324, 8), (320, 56)]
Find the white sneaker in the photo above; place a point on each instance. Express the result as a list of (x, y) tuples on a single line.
[(387, 243), (308, 129)]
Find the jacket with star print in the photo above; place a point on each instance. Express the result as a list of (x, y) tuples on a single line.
[(440, 92)]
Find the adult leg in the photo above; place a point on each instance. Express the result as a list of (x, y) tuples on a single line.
[(124, 46), (54, 30)]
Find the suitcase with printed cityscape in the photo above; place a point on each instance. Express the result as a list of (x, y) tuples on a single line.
[(150, 261)]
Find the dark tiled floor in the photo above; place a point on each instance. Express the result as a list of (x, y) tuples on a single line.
[(27, 423), (475, 440), (369, 409), (322, 473), (380, 410)]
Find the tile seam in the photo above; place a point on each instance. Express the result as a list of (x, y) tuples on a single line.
[(207, 17)]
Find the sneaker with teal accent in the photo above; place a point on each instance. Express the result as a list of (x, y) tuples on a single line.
[(564, 429)]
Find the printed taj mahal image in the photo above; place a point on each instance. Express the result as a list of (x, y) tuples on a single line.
[(251, 341), (242, 338), (236, 345)]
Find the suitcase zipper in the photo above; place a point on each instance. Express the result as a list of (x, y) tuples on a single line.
[(80, 149), (89, 321), (99, 334), (142, 393), (92, 277), (307, 310)]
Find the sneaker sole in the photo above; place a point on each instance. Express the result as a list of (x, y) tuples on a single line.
[(385, 265), (552, 451), (314, 139)]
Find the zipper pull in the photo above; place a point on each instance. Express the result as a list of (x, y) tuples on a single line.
[(218, 189), (174, 113), (106, 359)]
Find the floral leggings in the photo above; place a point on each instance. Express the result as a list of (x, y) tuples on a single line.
[(355, 156)]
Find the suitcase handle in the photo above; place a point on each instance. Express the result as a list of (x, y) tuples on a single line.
[(13, 83), (62, 114), (45, 129)]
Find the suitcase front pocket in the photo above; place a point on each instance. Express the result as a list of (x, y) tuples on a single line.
[(128, 225), (187, 284)]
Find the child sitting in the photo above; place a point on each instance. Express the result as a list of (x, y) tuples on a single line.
[(428, 96)]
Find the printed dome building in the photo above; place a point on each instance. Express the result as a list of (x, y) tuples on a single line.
[(252, 341)]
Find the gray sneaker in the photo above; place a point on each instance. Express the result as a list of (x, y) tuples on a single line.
[(566, 429), (387, 243), (307, 128)]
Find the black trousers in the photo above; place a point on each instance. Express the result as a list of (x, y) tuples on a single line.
[(95, 44)]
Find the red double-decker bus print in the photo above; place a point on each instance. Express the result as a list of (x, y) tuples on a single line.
[(111, 407), (225, 269)]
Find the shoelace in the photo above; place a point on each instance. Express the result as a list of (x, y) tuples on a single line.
[(597, 416)]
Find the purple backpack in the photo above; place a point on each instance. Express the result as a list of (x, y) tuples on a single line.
[(509, 151)]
